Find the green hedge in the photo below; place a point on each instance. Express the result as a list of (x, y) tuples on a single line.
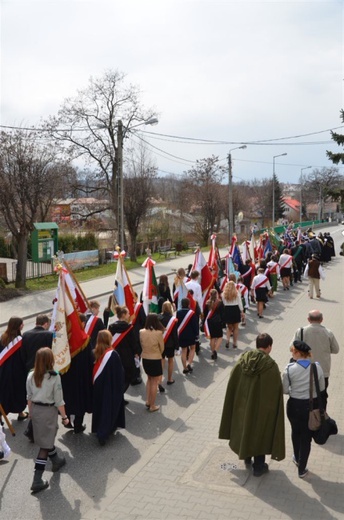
[(70, 243)]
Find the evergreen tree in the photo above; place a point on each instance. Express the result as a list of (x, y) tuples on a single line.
[(336, 158)]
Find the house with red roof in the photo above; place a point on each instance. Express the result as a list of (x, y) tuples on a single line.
[(291, 209)]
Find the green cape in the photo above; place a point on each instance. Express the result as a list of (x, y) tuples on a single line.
[(253, 411)]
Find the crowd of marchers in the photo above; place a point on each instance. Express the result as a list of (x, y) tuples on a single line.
[(122, 345)]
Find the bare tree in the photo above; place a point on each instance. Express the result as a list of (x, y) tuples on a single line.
[(204, 181), (87, 125), (140, 173), (29, 175), (322, 183)]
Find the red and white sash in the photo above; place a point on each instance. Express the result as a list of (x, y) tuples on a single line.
[(100, 364), (185, 321), (118, 336), (90, 324), (271, 269), (209, 316), (169, 328), (285, 265), (137, 308), (11, 348), (261, 283), (248, 273)]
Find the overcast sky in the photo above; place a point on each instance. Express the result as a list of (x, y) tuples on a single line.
[(218, 70)]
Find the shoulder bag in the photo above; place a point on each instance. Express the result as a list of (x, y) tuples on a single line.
[(321, 425)]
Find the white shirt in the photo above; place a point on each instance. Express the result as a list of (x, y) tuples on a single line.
[(197, 291)]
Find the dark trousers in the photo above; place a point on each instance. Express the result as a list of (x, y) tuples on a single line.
[(258, 462), (301, 436)]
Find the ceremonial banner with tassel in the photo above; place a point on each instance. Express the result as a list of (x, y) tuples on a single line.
[(69, 335), (150, 287), (207, 279), (75, 289), (124, 292)]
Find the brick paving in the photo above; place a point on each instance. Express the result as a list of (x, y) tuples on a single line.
[(189, 473)]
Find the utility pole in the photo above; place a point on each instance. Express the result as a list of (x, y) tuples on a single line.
[(120, 208), (230, 192), (230, 198)]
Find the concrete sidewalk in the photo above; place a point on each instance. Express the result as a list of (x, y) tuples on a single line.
[(189, 473), (171, 465)]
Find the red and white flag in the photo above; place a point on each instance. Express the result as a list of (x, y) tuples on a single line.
[(150, 287), (69, 335), (207, 278), (74, 288), (124, 292)]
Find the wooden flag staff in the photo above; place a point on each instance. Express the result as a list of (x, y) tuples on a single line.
[(8, 422)]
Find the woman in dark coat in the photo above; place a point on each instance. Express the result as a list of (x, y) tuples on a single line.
[(77, 385), (214, 310), (170, 339), (164, 292), (108, 389), (125, 343), (188, 330), (12, 370)]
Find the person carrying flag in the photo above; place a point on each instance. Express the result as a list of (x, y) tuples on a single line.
[(108, 385), (188, 330), (170, 339), (12, 370), (125, 343), (213, 324)]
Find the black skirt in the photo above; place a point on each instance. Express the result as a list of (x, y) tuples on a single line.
[(152, 367), (232, 314), (261, 294)]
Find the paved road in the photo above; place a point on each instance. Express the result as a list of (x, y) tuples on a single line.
[(170, 464)]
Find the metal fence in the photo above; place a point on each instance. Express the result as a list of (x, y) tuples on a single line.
[(33, 270)]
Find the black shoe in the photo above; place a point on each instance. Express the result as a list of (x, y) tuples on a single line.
[(189, 367), (214, 355), (258, 472), (161, 389), (80, 429), (248, 461), (227, 344), (29, 436), (186, 371)]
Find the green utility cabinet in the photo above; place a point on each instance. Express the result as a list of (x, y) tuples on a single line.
[(44, 241)]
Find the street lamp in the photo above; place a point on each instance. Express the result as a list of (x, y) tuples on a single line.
[(301, 180), (120, 209), (230, 191), (273, 186)]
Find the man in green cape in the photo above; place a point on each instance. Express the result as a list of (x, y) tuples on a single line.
[(253, 413)]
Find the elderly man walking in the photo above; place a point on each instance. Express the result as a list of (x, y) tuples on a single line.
[(322, 342)]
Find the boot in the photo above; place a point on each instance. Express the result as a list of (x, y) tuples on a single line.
[(57, 463), (38, 484)]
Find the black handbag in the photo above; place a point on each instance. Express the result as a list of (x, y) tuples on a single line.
[(328, 426)]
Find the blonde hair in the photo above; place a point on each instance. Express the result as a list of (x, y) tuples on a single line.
[(167, 307), (180, 276), (230, 292)]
